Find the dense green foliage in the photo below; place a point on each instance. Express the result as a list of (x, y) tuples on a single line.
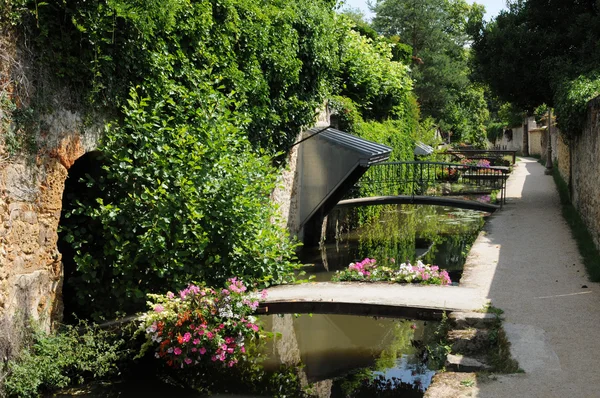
[(543, 51), (69, 357), (276, 56), (571, 100), (186, 199), (379, 86), (201, 95)]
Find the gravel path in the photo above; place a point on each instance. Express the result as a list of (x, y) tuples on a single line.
[(551, 318)]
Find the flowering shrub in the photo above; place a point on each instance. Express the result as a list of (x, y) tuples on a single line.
[(474, 162), (448, 174), (202, 324), (368, 270)]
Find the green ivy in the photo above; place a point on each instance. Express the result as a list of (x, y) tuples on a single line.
[(571, 102)]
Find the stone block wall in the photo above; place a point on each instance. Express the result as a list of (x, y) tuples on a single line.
[(563, 158), (31, 189), (585, 158)]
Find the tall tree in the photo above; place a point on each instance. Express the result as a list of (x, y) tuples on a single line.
[(530, 49), (439, 33)]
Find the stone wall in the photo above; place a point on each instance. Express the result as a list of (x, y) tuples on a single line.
[(31, 189), (563, 158), (536, 136), (585, 178)]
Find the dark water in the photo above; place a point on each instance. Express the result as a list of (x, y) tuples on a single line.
[(326, 355), (434, 234)]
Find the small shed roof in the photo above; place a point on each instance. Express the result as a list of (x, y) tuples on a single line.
[(367, 152), (422, 149), (331, 161)]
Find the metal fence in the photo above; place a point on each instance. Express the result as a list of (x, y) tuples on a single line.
[(488, 154), (431, 179)]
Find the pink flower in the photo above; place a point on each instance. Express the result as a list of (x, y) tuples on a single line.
[(187, 361), (243, 349), (177, 351), (194, 349), (196, 341), (413, 326), (202, 351), (159, 308), (213, 358), (229, 340), (209, 335), (186, 337), (170, 295), (221, 326), (263, 294)]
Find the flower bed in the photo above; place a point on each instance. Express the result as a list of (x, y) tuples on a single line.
[(476, 162), (202, 324), (368, 270)]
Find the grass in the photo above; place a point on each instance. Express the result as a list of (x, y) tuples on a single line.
[(585, 242)]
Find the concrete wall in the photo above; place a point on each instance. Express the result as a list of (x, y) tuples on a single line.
[(514, 141), (288, 185), (585, 157)]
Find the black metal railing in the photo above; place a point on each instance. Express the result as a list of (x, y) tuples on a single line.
[(431, 179), (493, 155)]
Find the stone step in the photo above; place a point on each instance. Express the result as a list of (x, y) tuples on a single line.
[(460, 363), (464, 320), (469, 341)]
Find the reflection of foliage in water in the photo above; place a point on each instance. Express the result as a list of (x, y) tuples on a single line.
[(369, 382), (403, 336), (395, 233)]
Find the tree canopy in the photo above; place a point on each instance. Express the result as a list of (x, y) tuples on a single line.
[(439, 32), (532, 51)]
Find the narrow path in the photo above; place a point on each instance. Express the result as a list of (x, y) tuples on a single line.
[(537, 278)]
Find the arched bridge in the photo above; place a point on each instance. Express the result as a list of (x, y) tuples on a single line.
[(431, 183)]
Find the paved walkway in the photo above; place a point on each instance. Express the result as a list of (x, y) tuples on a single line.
[(537, 278)]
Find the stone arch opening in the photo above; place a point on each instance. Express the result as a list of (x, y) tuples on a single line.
[(78, 233)]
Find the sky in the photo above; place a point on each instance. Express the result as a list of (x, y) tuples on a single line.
[(492, 7)]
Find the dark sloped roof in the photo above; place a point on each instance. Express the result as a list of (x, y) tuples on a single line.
[(368, 152)]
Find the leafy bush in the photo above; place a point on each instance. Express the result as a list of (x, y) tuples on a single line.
[(571, 101), (380, 87), (347, 112), (184, 197), (71, 356), (494, 131)]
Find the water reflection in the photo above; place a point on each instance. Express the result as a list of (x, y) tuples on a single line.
[(435, 234), (346, 356)]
